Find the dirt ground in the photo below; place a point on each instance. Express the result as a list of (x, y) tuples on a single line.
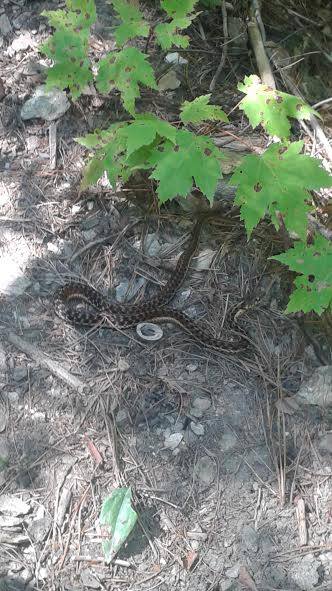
[(231, 483)]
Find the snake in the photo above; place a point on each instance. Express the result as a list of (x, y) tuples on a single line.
[(80, 304)]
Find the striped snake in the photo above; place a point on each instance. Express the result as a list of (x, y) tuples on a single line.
[(81, 304)]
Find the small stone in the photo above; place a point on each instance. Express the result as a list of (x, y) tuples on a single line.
[(51, 247), (173, 440), (126, 290), (20, 374), (233, 572), (191, 367), (205, 470), (39, 528), (305, 572), (76, 208), (21, 43), (197, 428), (201, 403), (176, 59), (249, 538), (12, 505), (123, 365), (5, 26), (3, 366), (13, 396), (325, 443), (121, 417), (45, 104), (228, 441), (43, 573), (90, 205), (317, 389), (88, 580), (169, 81), (89, 235)]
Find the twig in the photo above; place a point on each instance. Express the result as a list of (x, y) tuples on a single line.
[(224, 47), (52, 144), (262, 60), (44, 361), (320, 228)]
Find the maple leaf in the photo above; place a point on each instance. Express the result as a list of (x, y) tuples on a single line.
[(125, 70), (109, 155), (278, 181), (144, 130), (167, 33), (133, 24), (199, 110), (68, 46), (271, 107), (314, 285), (177, 166), (176, 9)]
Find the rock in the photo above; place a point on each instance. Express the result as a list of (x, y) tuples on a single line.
[(89, 235), (5, 26), (151, 245), (3, 365), (233, 572), (126, 290), (13, 396), (20, 374), (205, 470), (12, 505), (88, 580), (122, 417), (172, 441), (197, 428), (45, 104), (249, 539), (325, 443), (176, 59), (228, 441), (304, 573), (123, 365), (169, 81), (4, 451), (21, 43), (204, 259), (39, 528), (317, 390), (200, 404)]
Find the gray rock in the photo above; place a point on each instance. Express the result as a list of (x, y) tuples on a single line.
[(249, 539), (201, 403), (126, 290), (5, 26), (121, 417), (233, 572), (88, 580), (305, 574), (228, 441), (205, 470), (173, 440), (39, 528), (21, 43), (197, 428), (325, 443), (13, 396), (20, 374), (317, 390), (45, 104), (12, 505), (89, 235)]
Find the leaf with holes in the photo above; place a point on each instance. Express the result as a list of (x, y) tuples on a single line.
[(117, 520), (314, 285), (133, 24), (125, 71), (199, 110), (177, 166), (271, 108), (144, 130), (278, 182), (68, 46)]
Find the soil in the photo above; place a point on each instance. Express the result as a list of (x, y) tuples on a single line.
[(220, 466)]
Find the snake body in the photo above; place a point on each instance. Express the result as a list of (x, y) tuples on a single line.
[(78, 303)]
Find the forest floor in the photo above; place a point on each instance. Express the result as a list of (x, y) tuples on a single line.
[(230, 473)]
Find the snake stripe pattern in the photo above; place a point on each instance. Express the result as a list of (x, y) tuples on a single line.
[(81, 304)]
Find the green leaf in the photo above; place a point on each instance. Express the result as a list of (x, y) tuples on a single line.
[(117, 519), (109, 155), (167, 33), (178, 9), (278, 181), (68, 47), (133, 23), (199, 110), (125, 70), (271, 107), (314, 285), (144, 130), (191, 158)]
